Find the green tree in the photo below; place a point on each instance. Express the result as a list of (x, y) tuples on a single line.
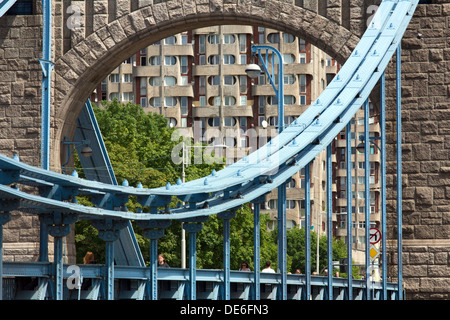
[(296, 250), (140, 148)]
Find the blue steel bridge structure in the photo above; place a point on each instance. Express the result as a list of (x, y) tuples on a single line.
[(125, 275)]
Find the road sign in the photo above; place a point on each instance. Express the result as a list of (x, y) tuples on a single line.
[(374, 253), (374, 235)]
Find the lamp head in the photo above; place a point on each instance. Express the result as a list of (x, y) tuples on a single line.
[(86, 151), (253, 70)]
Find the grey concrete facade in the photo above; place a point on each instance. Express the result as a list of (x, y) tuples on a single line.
[(108, 32)]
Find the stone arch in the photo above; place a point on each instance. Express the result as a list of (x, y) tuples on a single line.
[(79, 70)]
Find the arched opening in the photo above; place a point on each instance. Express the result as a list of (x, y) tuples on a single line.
[(80, 70)]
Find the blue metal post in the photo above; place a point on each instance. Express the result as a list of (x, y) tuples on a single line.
[(4, 217), (279, 91), (383, 185), (282, 240), (46, 82), (329, 224), (109, 267), (46, 66), (226, 216), (399, 171), (192, 265), (348, 160), (58, 248), (153, 269), (366, 194), (192, 229), (308, 231), (153, 230), (226, 258), (256, 251)]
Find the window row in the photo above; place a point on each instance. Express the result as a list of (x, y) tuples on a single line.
[(226, 39)]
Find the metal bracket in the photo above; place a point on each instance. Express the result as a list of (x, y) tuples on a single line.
[(43, 63)]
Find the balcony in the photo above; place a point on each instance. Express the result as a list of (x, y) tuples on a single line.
[(213, 111)]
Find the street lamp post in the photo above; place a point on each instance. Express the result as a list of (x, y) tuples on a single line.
[(253, 71)]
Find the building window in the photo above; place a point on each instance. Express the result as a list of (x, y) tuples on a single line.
[(288, 58), (114, 78), (202, 101), (243, 84), (273, 37), (213, 39), (127, 96), (214, 122), (214, 59), (144, 102), (228, 39), (155, 81), (229, 80), (261, 120), (302, 45), (303, 100), (184, 64), (143, 61), (155, 102), (201, 44), (202, 85), (290, 204), (243, 59), (302, 80), (289, 99), (302, 57), (288, 38), (172, 122), (170, 60), (184, 106), (127, 78), (184, 39), (229, 101), (229, 59), (214, 101), (272, 204), (170, 40), (229, 121), (184, 80), (243, 100), (243, 123), (243, 43), (170, 101), (289, 79), (243, 142), (155, 61), (290, 184), (214, 80), (170, 81), (114, 95)]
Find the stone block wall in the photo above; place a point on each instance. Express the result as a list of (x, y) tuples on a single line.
[(426, 155)]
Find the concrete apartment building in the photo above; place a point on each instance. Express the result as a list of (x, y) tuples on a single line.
[(197, 80)]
